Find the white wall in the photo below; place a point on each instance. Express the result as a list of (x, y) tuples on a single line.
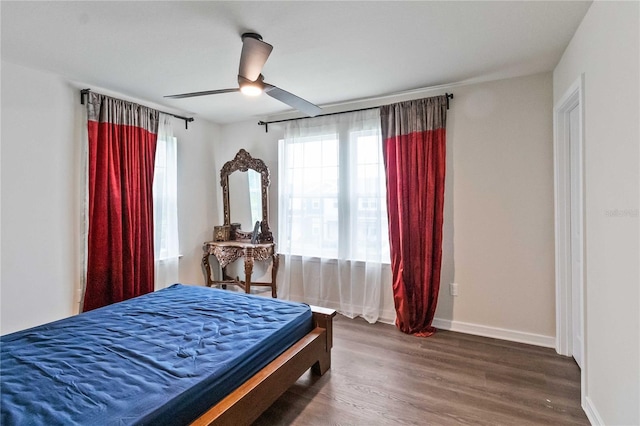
[(606, 49), (41, 198), (498, 231), (199, 197), (42, 126), (500, 210)]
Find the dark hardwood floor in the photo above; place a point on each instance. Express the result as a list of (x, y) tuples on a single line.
[(380, 376)]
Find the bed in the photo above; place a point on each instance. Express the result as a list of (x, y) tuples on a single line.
[(182, 355)]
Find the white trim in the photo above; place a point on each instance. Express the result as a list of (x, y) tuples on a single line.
[(569, 101), (573, 97), (495, 332), (591, 412)]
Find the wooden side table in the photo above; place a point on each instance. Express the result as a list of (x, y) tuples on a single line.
[(227, 252)]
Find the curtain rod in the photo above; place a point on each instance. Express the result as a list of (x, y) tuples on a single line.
[(187, 120), (266, 123)]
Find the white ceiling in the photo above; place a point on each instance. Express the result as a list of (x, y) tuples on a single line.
[(325, 52)]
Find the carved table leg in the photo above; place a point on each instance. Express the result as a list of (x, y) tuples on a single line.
[(207, 269), (248, 270), (223, 276), (274, 274)]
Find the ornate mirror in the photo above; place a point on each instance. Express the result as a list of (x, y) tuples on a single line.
[(245, 195)]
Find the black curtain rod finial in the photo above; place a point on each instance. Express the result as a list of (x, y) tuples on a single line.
[(83, 94)]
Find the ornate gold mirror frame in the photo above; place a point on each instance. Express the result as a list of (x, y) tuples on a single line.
[(242, 162)]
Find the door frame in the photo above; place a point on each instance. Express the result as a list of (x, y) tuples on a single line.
[(573, 98)]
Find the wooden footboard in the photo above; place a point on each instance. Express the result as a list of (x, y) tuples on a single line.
[(253, 397)]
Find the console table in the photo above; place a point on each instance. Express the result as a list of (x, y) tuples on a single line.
[(227, 252)]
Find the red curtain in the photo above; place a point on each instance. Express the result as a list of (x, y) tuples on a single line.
[(414, 145), (122, 144)]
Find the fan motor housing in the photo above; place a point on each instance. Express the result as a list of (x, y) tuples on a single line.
[(252, 35)]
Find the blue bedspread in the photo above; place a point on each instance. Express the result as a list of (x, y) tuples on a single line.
[(162, 358)]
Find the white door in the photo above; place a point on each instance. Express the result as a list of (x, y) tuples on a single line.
[(576, 236)]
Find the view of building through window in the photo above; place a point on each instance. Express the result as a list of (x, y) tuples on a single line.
[(336, 198), (255, 195)]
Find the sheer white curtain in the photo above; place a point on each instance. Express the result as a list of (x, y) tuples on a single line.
[(165, 206), (333, 233)]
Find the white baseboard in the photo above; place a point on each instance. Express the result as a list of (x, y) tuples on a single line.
[(389, 317), (591, 412), (496, 333)]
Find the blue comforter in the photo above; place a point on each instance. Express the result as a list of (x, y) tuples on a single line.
[(162, 358)]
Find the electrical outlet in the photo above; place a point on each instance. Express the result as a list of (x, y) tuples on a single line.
[(453, 288)]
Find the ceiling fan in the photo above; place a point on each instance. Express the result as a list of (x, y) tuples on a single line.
[(255, 53)]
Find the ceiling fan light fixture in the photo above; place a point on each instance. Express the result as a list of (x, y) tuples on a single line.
[(251, 89), (255, 53)]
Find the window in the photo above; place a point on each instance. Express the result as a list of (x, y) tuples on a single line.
[(165, 203), (332, 191), (255, 195), (165, 206)]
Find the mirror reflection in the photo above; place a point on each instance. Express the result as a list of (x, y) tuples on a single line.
[(245, 198)]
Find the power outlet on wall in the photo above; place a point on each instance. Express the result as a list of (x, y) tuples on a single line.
[(453, 289)]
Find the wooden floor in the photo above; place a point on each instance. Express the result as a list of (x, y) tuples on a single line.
[(380, 376)]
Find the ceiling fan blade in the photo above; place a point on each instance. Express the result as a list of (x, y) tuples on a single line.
[(292, 100), (255, 53), (205, 93)]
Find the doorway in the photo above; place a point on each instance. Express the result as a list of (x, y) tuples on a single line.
[(569, 224), (576, 231)]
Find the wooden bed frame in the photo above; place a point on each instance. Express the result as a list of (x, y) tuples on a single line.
[(253, 397)]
